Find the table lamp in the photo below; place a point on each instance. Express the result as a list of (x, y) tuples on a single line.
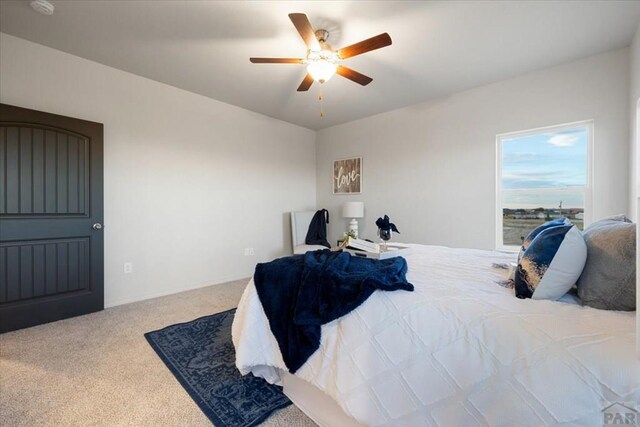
[(353, 210)]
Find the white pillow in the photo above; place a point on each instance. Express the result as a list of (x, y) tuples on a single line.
[(551, 264)]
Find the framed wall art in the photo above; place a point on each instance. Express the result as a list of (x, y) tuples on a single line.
[(347, 176)]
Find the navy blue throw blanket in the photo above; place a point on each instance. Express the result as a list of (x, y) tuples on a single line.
[(302, 292)]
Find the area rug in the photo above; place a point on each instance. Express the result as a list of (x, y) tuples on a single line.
[(201, 356)]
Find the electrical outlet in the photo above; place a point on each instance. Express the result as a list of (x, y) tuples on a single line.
[(128, 267), (249, 252)]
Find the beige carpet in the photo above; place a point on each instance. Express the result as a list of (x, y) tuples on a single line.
[(98, 370)]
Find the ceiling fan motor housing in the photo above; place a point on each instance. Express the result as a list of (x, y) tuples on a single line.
[(322, 35)]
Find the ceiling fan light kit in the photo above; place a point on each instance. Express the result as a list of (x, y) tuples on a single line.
[(321, 60), (321, 65)]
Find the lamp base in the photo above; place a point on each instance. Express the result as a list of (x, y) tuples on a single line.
[(353, 227)]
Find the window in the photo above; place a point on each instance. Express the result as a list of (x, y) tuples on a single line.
[(542, 174)]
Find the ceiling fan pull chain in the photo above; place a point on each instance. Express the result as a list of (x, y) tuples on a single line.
[(320, 98)]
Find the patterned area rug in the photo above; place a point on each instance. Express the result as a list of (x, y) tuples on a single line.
[(201, 356)]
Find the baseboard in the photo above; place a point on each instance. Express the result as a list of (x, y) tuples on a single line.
[(150, 295)]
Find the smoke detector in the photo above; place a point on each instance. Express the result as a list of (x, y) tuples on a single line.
[(42, 6)]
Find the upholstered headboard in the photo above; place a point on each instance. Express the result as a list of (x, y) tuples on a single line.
[(299, 226)]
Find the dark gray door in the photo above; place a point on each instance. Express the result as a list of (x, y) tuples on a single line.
[(51, 239)]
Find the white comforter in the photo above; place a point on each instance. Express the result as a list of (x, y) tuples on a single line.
[(459, 351)]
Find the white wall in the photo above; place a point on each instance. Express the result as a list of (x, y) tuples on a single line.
[(634, 98), (431, 166), (634, 178), (189, 181)]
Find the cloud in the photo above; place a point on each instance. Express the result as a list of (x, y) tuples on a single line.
[(563, 140), (515, 183), (521, 157), (533, 174), (540, 179)]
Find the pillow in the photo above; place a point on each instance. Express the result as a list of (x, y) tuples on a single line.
[(619, 217), (532, 235), (608, 281), (551, 264)]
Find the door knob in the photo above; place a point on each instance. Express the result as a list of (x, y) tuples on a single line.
[(97, 226)]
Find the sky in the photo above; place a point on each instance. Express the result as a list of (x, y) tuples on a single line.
[(543, 169)]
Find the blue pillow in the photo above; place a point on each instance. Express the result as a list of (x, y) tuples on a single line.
[(551, 264), (532, 235)]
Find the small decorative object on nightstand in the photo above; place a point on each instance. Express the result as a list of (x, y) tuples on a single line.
[(353, 210), (385, 230), (346, 235)]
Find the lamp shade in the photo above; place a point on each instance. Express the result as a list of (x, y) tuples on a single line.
[(353, 210)]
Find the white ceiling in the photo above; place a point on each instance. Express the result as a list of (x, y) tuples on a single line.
[(438, 47)]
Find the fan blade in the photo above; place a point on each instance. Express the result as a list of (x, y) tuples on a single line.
[(276, 60), (306, 83), (302, 24), (364, 46), (353, 75)]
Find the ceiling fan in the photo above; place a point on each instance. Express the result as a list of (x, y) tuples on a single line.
[(321, 60)]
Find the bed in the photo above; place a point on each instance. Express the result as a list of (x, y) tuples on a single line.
[(458, 351)]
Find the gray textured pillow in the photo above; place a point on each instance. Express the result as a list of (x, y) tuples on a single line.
[(608, 280)]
